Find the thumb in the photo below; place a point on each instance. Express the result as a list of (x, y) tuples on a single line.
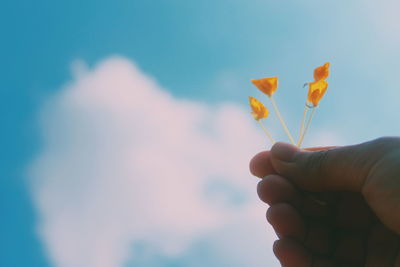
[(340, 168)]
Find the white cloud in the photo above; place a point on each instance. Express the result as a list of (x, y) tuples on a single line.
[(124, 161)]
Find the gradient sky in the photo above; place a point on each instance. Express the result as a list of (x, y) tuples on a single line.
[(203, 51)]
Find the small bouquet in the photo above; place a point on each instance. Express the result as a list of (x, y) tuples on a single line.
[(268, 86)]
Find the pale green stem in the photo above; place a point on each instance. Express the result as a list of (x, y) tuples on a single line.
[(307, 126), (303, 132), (267, 133), (282, 120), (306, 108)]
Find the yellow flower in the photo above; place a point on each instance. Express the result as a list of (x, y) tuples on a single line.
[(316, 91), (322, 72), (259, 110), (266, 85)]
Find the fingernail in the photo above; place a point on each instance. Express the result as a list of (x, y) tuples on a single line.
[(283, 151)]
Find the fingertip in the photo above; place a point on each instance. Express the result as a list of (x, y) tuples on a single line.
[(274, 189), (291, 254), (284, 151), (286, 221), (260, 165)]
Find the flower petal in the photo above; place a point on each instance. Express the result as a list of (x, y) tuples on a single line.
[(322, 72), (259, 110), (316, 91), (266, 85)]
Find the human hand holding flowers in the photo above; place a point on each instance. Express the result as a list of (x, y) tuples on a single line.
[(333, 206)]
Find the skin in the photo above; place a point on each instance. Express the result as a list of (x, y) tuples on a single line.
[(333, 206)]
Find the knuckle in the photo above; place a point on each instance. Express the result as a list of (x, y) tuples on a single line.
[(316, 163)]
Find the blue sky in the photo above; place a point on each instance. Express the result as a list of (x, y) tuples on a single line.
[(203, 51)]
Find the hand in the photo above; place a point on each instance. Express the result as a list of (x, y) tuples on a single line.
[(333, 206)]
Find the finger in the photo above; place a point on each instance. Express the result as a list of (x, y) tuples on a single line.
[(286, 221), (275, 189), (318, 206), (342, 168), (260, 165), (291, 254), (319, 238)]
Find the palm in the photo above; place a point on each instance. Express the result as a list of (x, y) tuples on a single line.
[(326, 229)]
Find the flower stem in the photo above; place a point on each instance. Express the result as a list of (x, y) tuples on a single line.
[(267, 133), (307, 126), (281, 120), (306, 108)]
